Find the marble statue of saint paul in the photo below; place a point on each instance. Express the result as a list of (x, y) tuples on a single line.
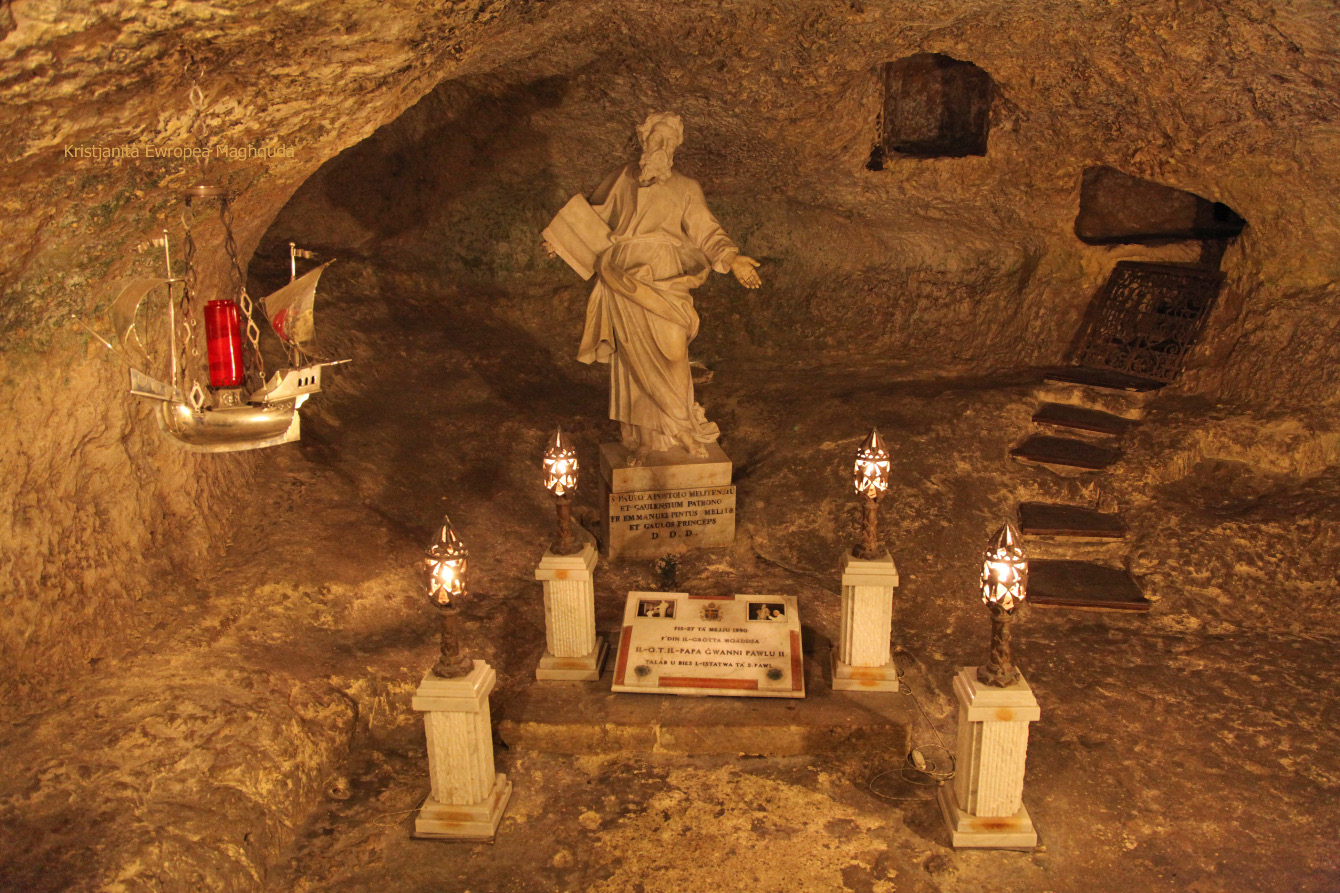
[(647, 236)]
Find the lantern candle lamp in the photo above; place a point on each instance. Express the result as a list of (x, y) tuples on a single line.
[(983, 805), (444, 573), (560, 479), (863, 658), (467, 796), (871, 477), (1004, 588), (574, 652)]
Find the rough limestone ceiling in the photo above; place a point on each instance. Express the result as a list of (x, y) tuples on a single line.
[(962, 259), (314, 77), (1234, 102)]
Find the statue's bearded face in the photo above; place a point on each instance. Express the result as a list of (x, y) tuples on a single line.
[(658, 155)]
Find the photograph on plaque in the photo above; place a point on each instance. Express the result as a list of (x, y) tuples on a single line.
[(766, 611), (657, 608), (731, 645)]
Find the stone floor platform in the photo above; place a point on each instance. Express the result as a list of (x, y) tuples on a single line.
[(588, 718)]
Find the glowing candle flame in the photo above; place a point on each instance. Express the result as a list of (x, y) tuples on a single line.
[(871, 474), (560, 465), (1005, 570), (444, 566)]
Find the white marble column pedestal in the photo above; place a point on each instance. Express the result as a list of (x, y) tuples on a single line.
[(574, 652), (467, 798), (983, 806), (862, 660)]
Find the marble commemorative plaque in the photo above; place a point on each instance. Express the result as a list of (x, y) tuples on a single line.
[(673, 643)]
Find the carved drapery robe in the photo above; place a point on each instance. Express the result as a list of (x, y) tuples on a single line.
[(640, 317)]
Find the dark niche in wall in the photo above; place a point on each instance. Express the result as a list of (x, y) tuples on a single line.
[(1115, 207), (934, 106)]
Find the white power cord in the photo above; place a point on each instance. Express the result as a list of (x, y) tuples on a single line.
[(927, 765)]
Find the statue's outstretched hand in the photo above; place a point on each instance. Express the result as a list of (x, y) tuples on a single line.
[(746, 270), (548, 249)]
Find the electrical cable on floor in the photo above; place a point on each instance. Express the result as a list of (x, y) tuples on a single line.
[(927, 765), (790, 568), (396, 817)]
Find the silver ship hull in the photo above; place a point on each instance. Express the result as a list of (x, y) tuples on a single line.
[(230, 430)]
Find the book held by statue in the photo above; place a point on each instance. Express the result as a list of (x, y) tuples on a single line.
[(578, 235)]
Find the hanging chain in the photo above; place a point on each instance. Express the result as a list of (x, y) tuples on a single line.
[(190, 348), (255, 361), (196, 97)]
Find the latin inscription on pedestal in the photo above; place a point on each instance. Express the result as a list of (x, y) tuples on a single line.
[(740, 645), (670, 503), (650, 523)]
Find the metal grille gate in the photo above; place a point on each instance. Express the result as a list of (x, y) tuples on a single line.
[(1147, 318)]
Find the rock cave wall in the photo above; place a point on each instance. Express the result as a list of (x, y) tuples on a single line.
[(108, 532), (949, 265)]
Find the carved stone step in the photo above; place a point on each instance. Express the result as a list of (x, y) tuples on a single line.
[(1097, 389), (1066, 452), (1071, 532), (1050, 519), (1057, 548), (1103, 378), (1080, 418), (1083, 585), (1126, 404)]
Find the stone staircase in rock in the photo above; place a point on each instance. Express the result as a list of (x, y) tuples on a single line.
[(1077, 553)]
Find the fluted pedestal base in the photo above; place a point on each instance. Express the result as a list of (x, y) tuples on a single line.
[(863, 660), (586, 668), (477, 821), (467, 797), (849, 678), (574, 652), (993, 832), (983, 805)]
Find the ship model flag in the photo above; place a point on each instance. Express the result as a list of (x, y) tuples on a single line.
[(224, 404)]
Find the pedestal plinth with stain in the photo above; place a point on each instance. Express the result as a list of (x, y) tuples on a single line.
[(467, 797), (574, 652), (983, 806), (672, 503), (862, 660)]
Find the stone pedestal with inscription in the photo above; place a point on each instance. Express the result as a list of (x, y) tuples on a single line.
[(670, 504), (467, 797), (574, 653), (862, 660), (983, 806)]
